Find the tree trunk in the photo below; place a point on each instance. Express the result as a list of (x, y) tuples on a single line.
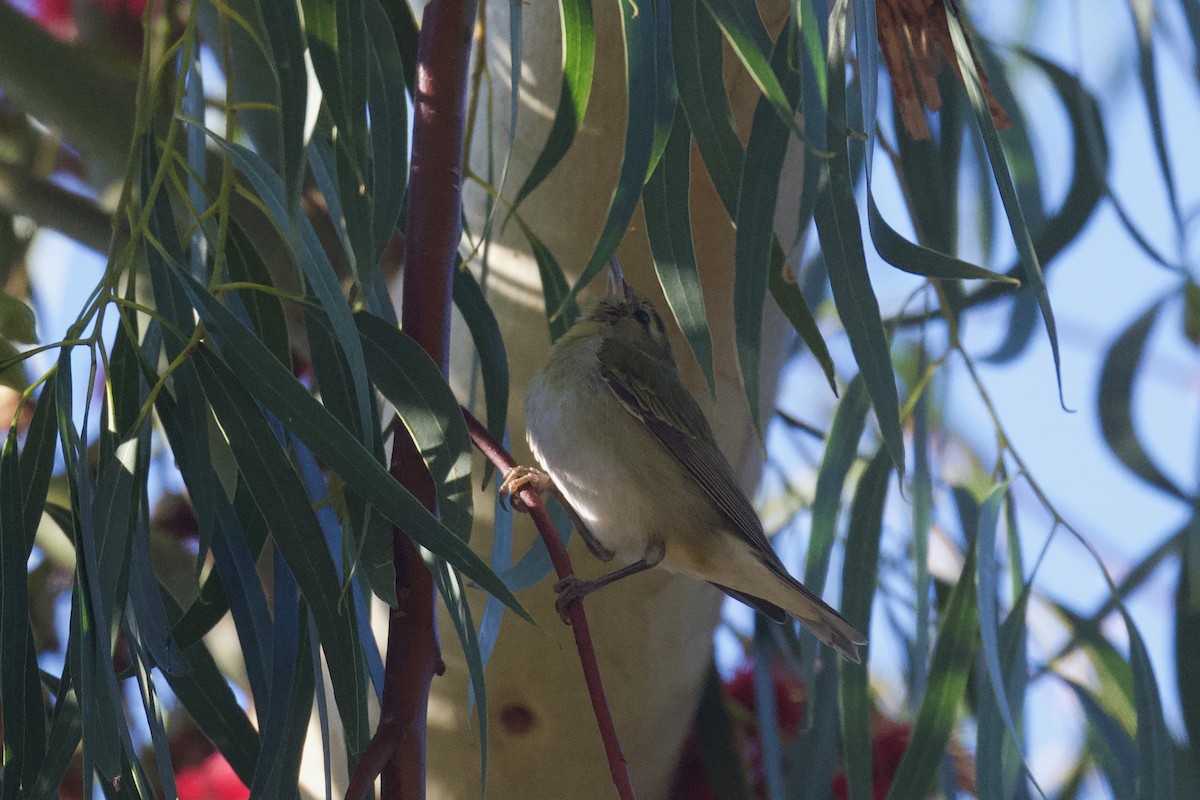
[(653, 633)]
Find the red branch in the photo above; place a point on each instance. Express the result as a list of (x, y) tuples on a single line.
[(500, 458), (432, 233)]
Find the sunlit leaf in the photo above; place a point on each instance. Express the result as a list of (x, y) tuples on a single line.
[(579, 52)]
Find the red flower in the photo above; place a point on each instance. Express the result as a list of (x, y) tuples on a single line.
[(211, 779)]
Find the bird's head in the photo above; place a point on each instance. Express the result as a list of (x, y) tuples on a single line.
[(623, 315)]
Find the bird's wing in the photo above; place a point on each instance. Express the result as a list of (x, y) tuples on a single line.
[(652, 392)]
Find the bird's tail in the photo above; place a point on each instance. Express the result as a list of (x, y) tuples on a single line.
[(819, 617)]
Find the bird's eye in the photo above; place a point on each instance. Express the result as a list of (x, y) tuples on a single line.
[(642, 317)]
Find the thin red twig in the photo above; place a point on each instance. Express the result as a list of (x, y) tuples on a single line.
[(501, 459)]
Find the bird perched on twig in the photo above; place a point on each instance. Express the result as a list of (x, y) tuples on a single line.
[(628, 450)]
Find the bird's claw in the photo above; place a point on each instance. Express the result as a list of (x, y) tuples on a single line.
[(517, 478), (570, 590)]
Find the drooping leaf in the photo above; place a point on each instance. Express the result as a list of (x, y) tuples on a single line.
[(413, 383), (281, 496), (579, 52), (489, 345), (951, 665), (859, 577), (756, 218), (639, 26), (695, 36), (1114, 401), (840, 233), (669, 228), (841, 449), (1030, 262)]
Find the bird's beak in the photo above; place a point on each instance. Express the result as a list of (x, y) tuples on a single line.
[(618, 290)]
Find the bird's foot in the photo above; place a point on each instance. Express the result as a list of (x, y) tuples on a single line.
[(570, 590), (517, 478)]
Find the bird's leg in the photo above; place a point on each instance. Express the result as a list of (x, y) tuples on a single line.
[(518, 478), (571, 588)]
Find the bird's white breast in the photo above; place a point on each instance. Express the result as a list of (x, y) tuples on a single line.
[(602, 459)]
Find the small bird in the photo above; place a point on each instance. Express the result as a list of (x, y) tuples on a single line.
[(629, 452)]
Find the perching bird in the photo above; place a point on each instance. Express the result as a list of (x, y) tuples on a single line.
[(629, 452)]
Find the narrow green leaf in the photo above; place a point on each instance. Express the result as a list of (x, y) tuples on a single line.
[(578, 63), (860, 573), (841, 243), (66, 729), (277, 769), (1004, 182), (37, 460), (639, 26), (766, 709), (281, 24), (413, 383), (1116, 754), (17, 323), (791, 301), (1187, 635), (1000, 761), (949, 669), (669, 228), (556, 292), (1143, 13), (922, 523), (320, 27), (1114, 401), (450, 586), (841, 450), (666, 95), (329, 440), (24, 723), (489, 345), (695, 37), (989, 599), (278, 492), (1156, 749), (748, 37), (315, 264), (814, 755), (917, 260), (388, 103), (756, 218)]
